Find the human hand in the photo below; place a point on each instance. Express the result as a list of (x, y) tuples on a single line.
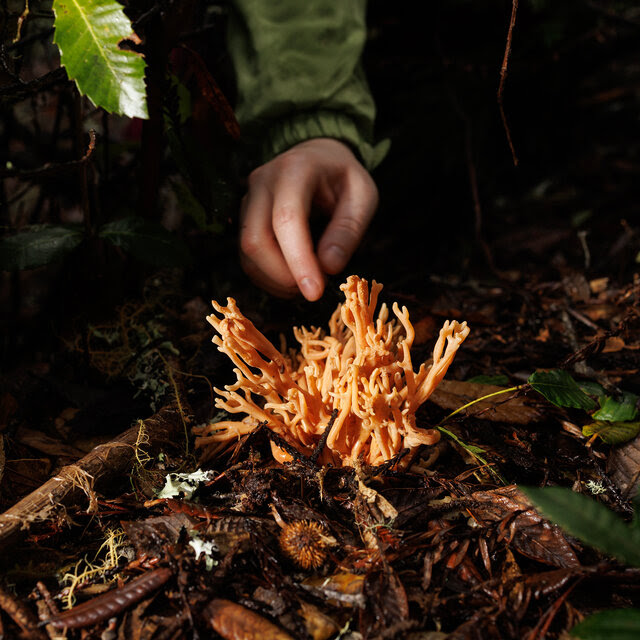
[(276, 248)]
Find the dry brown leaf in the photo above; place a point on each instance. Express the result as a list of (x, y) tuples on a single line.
[(319, 626), (235, 622), (597, 312), (598, 285), (527, 531), (452, 394), (624, 466), (339, 589)]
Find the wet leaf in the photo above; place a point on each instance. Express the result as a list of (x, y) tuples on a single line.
[(592, 388), (618, 410), (235, 622), (612, 432), (148, 241), (620, 624), (37, 246), (530, 534), (559, 388), (88, 33), (589, 521)]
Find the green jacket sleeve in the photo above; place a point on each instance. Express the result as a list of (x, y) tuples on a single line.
[(299, 76)]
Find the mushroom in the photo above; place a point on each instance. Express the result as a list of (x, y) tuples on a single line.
[(361, 368)]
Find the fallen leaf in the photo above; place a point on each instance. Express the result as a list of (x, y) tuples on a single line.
[(386, 602), (613, 344), (235, 622), (150, 536), (624, 466), (529, 533), (339, 589), (452, 394), (319, 626), (598, 285), (612, 432)]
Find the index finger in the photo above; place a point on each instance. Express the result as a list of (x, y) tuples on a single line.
[(293, 195)]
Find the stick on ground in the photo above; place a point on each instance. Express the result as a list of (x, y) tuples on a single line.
[(104, 463)]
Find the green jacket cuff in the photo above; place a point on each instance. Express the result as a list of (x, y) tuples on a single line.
[(288, 132)]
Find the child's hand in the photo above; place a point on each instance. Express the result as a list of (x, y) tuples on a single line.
[(276, 249)]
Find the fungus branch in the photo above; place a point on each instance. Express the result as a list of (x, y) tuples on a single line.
[(361, 371)]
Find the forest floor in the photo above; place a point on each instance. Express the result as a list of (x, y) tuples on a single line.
[(542, 261)]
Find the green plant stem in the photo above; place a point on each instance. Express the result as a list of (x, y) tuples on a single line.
[(473, 450), (489, 395)]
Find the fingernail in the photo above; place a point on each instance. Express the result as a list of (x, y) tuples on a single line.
[(311, 290), (335, 258)]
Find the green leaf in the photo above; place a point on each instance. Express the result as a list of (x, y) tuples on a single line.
[(37, 246), (620, 410), (589, 521), (88, 33), (592, 388), (619, 624), (612, 432), (500, 380), (148, 241), (559, 388)]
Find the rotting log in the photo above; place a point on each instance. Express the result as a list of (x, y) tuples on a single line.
[(101, 465)]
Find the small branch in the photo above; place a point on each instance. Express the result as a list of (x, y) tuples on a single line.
[(503, 78), (21, 90), (29, 39), (53, 169), (323, 438), (105, 463)]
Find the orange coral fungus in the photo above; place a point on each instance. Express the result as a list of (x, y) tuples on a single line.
[(362, 369)]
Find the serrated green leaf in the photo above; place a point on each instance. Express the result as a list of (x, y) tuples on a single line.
[(589, 521), (612, 432), (618, 410), (619, 624), (88, 33), (499, 380), (37, 246), (559, 388), (147, 241)]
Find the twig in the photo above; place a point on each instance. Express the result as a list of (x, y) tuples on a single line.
[(29, 39), (503, 78), (20, 90), (323, 438), (104, 463), (279, 441), (53, 169), (21, 615)]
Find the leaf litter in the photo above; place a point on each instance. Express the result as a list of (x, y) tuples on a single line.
[(438, 546)]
